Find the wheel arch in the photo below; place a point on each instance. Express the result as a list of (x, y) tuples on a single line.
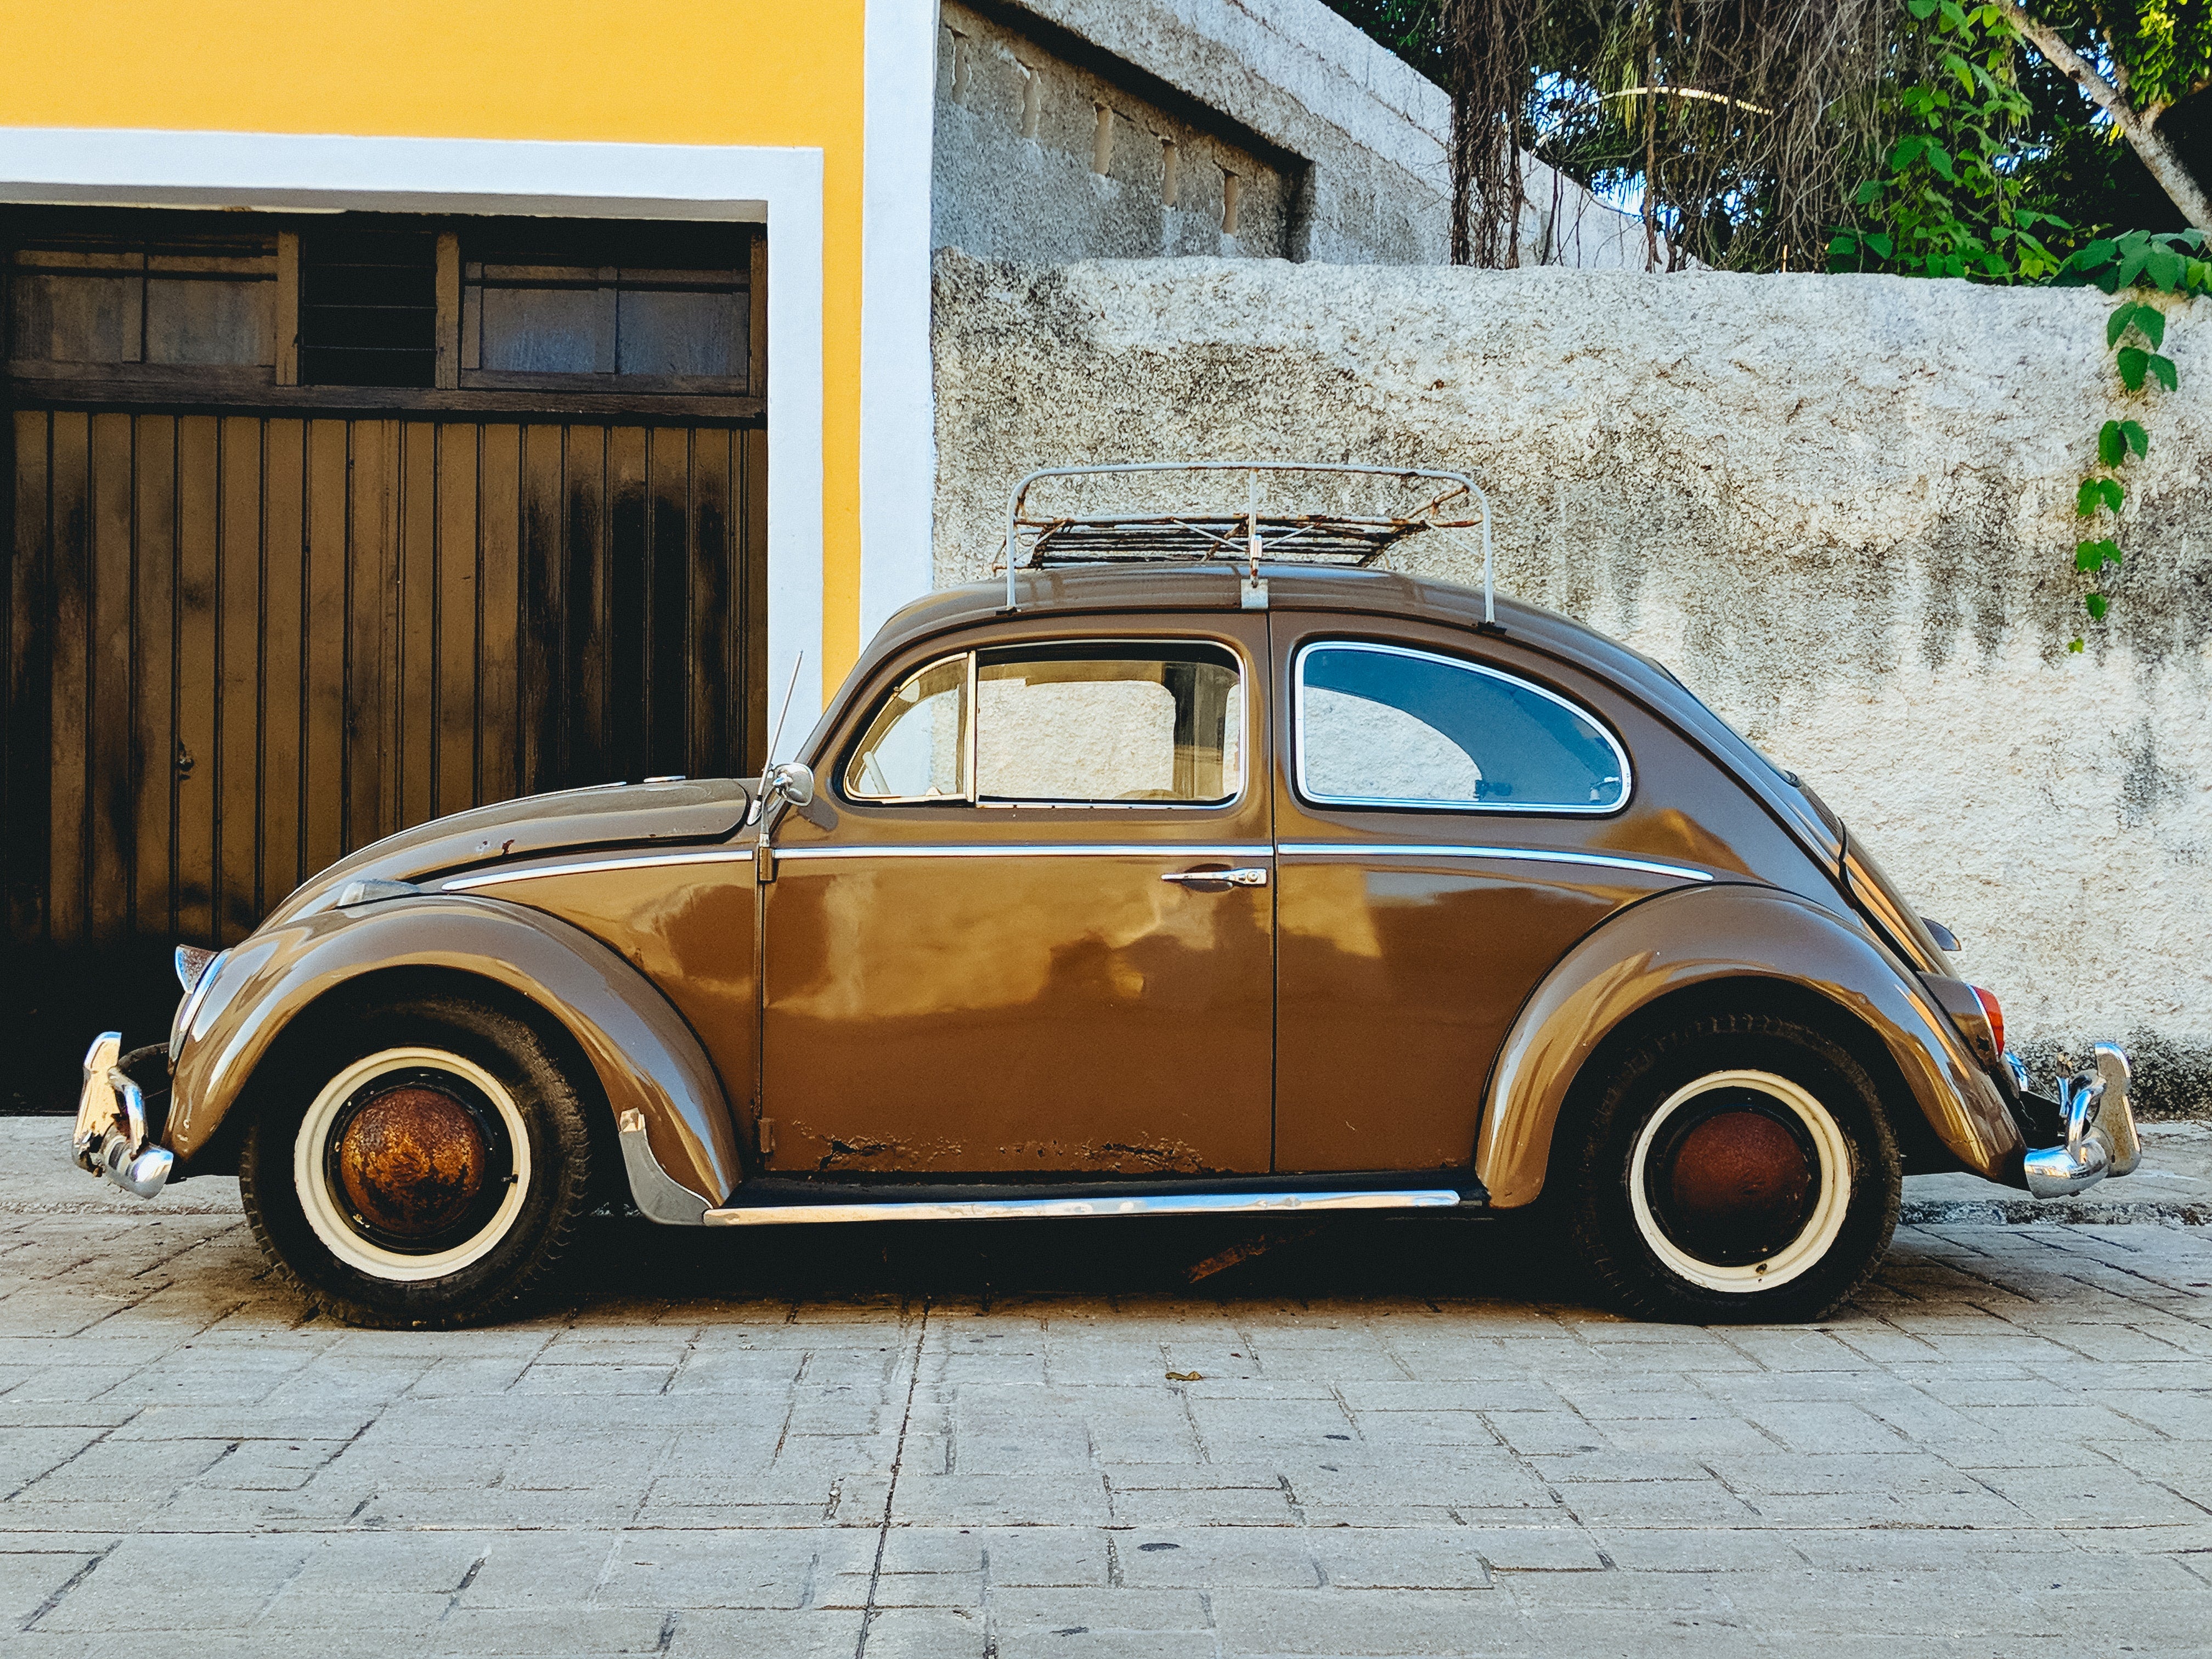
[(1736, 948), (635, 1051)]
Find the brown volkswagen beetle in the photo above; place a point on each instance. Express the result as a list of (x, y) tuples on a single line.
[(1205, 866)]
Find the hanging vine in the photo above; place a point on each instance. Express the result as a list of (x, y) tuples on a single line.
[(2135, 335)]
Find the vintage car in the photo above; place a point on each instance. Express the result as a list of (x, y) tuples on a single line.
[(1206, 866)]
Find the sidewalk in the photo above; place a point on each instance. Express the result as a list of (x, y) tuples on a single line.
[(1033, 1441)]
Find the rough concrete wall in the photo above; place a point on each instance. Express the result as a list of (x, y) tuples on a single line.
[(1014, 169), (1841, 507), (1373, 129)]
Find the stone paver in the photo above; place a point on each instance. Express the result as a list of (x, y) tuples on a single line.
[(1406, 1438)]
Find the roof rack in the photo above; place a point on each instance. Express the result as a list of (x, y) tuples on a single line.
[(1137, 537)]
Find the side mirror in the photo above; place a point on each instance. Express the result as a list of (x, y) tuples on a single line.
[(791, 783)]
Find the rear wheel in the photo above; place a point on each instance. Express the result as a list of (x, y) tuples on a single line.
[(1739, 1168), (420, 1162)]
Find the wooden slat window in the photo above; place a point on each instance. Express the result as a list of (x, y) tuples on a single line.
[(166, 298), (634, 308)]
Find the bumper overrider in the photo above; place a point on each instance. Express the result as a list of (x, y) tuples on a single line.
[(2092, 1113), (113, 1137)]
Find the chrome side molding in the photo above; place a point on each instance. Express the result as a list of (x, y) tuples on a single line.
[(111, 1139), (1034, 1209), (658, 1195), (2100, 1128)]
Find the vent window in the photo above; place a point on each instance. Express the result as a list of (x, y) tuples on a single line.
[(368, 307)]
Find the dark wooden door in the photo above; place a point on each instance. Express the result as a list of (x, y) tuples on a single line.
[(240, 645)]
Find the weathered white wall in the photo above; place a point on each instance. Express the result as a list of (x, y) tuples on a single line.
[(1840, 508)]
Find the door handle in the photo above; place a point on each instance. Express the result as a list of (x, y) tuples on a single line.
[(1254, 877)]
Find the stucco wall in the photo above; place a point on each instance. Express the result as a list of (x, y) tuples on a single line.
[(1840, 508)]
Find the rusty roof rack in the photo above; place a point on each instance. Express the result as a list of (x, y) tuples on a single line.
[(1038, 542)]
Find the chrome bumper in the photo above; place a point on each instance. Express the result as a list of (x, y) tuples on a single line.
[(2100, 1124), (111, 1138)]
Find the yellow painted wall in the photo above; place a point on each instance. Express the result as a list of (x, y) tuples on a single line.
[(653, 72)]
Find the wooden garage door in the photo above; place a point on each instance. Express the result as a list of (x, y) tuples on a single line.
[(241, 645)]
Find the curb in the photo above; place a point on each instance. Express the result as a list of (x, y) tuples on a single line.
[(2029, 1212)]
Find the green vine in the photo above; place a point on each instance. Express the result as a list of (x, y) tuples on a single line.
[(2134, 333)]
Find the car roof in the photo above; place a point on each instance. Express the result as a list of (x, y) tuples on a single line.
[(1082, 590)]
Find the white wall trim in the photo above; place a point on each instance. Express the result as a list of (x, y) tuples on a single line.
[(783, 186), (898, 468)]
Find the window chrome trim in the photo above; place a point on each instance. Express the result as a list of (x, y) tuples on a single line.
[(1017, 1209), (720, 855), (1291, 849), (1376, 648), (1030, 850)]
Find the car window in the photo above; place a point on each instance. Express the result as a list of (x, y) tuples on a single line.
[(1109, 723), (917, 748), (1380, 725), (1092, 724)]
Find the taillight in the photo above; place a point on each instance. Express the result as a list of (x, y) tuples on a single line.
[(1996, 1017)]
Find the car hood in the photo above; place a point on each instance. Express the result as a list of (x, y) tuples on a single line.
[(609, 815)]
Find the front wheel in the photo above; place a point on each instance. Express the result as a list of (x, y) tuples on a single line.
[(422, 1161), (1738, 1168)]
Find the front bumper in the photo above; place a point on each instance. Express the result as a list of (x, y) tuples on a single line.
[(112, 1139), (2093, 1112)]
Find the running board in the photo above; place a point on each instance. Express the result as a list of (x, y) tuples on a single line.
[(1035, 1209)]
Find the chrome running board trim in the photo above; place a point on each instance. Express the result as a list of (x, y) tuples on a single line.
[(1035, 1209)]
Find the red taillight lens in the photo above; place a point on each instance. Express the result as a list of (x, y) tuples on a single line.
[(1996, 1015)]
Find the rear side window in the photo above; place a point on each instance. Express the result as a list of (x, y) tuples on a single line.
[(1088, 724), (1383, 726)]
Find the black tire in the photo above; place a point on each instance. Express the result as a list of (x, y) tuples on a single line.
[(395, 1240), (1727, 1231)]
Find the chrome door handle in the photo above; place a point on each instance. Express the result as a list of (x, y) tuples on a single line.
[(1252, 877)]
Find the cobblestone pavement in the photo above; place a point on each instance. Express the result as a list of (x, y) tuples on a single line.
[(1384, 1437)]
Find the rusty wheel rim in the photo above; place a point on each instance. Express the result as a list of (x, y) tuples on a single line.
[(411, 1164), (1741, 1181)]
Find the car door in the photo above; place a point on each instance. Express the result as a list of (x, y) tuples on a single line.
[(1445, 820), (1032, 932)]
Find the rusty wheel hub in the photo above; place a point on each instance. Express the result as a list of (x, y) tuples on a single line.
[(412, 1160), (1735, 1185)]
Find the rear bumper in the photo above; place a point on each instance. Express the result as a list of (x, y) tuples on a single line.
[(112, 1139), (2093, 1112)]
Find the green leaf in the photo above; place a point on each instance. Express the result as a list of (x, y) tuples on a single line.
[(2097, 253), (2116, 324), (2132, 260), (2097, 605), (1905, 152), (2151, 321), (2162, 371), (1939, 159), (2073, 644), (2111, 444), (1923, 10), (2115, 494), (1868, 190), (2088, 498), (2093, 557), (2136, 438), (1883, 245), (2165, 267), (2133, 360)]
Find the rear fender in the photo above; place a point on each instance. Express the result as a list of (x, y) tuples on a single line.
[(1701, 936), (644, 1055)]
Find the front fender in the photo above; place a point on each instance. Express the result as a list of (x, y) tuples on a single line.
[(1701, 935), (645, 1056)]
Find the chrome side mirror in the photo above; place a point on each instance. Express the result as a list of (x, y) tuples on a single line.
[(791, 783)]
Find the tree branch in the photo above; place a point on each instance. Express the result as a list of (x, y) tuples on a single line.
[(2139, 128)]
